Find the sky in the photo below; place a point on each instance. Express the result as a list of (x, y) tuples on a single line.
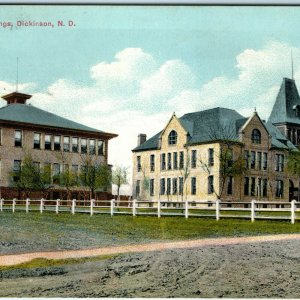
[(126, 69)]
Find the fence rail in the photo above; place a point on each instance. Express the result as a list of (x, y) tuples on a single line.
[(217, 209)]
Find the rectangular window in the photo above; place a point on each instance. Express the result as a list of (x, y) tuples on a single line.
[(138, 164), (279, 162), (259, 187), (175, 160), (246, 158), (37, 165), (169, 161), (230, 185), (101, 145), (279, 188), (18, 138), (152, 162), (75, 169), (138, 187), (75, 144), (163, 161), (210, 156), (37, 141), (193, 186), (83, 148), (194, 159), (259, 161), (181, 160), (246, 186), (265, 187), (66, 144), (151, 187), (56, 173), (210, 184), (168, 186), (17, 165), (180, 185), (162, 186), (174, 183), (229, 157), (48, 138), (252, 186), (57, 141), (92, 147), (253, 159), (265, 161)]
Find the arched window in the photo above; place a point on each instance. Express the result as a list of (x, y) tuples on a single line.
[(256, 136), (172, 137)]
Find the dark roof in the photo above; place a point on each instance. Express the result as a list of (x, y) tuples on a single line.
[(25, 113), (284, 108)]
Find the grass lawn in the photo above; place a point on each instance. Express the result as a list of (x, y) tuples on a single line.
[(21, 232)]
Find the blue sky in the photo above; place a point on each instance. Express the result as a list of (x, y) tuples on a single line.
[(126, 69)]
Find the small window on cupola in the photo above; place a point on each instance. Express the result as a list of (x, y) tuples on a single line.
[(296, 109)]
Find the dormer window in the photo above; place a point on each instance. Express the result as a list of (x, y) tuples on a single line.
[(256, 136), (172, 137), (296, 109)]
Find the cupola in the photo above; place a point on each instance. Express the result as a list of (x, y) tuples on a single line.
[(16, 97)]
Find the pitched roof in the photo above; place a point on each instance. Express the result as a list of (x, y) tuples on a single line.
[(287, 99), (30, 114)]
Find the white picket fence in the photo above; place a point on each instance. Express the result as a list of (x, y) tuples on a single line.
[(217, 209)]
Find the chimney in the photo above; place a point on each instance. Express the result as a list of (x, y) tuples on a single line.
[(141, 138), (16, 97)]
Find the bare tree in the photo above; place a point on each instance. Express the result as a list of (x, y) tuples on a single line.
[(119, 177)]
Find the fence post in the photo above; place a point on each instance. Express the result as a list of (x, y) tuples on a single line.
[(1, 204), (73, 206), (14, 205), (252, 210), (134, 207), (92, 207), (293, 211), (112, 205), (27, 205), (158, 209), (217, 209), (186, 209), (57, 206), (41, 205)]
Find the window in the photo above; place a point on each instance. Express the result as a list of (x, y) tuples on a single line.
[(181, 185), (138, 165), (256, 136), (175, 160), (174, 183), (57, 143), (246, 158), (56, 173), (18, 138), (169, 161), (162, 186), (37, 165), (138, 187), (151, 187), (37, 141), (66, 144), (279, 188), (265, 161), (253, 159), (230, 185), (210, 156), (194, 159), (17, 165), (152, 162), (75, 144), (172, 137), (168, 186), (48, 141), (83, 148), (210, 184), (75, 169), (101, 145), (265, 187), (279, 162), (92, 148), (252, 188), (163, 161), (246, 186), (259, 161), (193, 186), (181, 160)]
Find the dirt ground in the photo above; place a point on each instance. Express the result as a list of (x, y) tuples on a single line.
[(267, 269)]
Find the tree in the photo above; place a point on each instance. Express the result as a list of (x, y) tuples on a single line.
[(119, 177), (94, 175), (68, 179), (293, 166), (185, 173)]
